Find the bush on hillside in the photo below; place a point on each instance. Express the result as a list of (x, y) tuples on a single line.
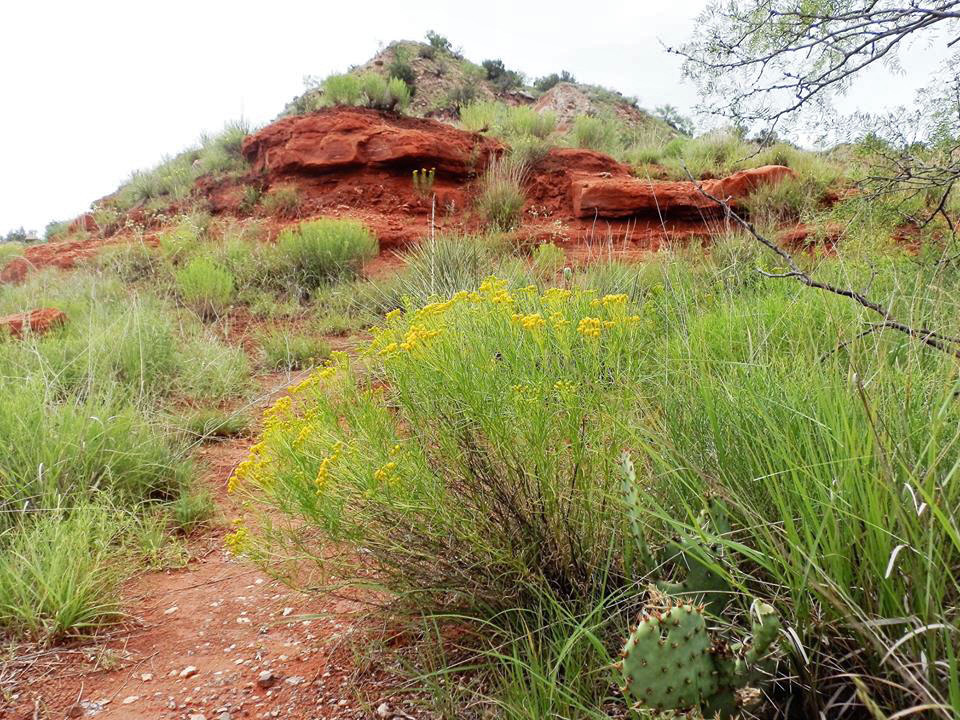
[(319, 251), (502, 196), (548, 81), (205, 287), (366, 90)]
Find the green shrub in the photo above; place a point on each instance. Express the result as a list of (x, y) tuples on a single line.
[(342, 90), (548, 260), (205, 287), (384, 94), (401, 68), (282, 201), (439, 43), (601, 133), (509, 122), (472, 455), (549, 81), (8, 251), (55, 229), (251, 198), (319, 251), (502, 197), (367, 90), (284, 350)]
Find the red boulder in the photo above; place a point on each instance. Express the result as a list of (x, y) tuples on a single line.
[(620, 196), (339, 139), (36, 321)]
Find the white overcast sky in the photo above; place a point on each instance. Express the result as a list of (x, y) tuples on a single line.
[(91, 90)]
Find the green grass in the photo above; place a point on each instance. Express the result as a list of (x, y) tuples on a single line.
[(174, 177), (283, 350), (472, 453), (88, 454), (205, 287), (501, 197), (282, 201), (319, 251)]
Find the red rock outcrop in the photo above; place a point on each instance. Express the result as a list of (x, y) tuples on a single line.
[(340, 139), (36, 321), (550, 179), (619, 196), (14, 271)]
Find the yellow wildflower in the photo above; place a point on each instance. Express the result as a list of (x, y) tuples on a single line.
[(590, 327), (238, 540), (385, 473)]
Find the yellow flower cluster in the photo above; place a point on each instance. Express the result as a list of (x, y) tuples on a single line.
[(313, 379), (305, 432), (494, 289), (415, 336), (278, 414), (558, 320), (563, 387), (610, 301), (590, 327), (531, 322), (253, 468), (238, 540), (323, 472), (386, 472)]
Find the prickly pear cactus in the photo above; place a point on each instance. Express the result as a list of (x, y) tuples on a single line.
[(701, 582), (670, 662), (666, 660), (631, 500)]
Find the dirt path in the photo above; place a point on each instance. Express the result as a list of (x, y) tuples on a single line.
[(216, 640)]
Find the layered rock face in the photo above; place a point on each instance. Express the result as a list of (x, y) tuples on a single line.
[(342, 139), (37, 322), (619, 196)]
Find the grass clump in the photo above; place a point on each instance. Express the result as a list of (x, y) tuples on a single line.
[(205, 287), (282, 201), (366, 90), (319, 251), (57, 575), (601, 133), (283, 350), (501, 196)]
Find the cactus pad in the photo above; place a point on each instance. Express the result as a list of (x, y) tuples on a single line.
[(667, 662)]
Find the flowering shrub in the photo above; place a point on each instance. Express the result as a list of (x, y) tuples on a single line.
[(467, 454)]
